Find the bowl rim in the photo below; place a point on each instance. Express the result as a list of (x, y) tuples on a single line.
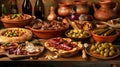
[(39, 30), (15, 21), (93, 34), (76, 37)]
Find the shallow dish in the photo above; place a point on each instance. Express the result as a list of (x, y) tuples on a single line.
[(100, 56), (13, 56), (83, 38), (49, 33), (61, 49)]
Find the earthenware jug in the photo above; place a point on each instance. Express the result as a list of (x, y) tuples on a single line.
[(81, 7), (105, 12), (64, 9)]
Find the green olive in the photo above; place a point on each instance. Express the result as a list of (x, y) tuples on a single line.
[(102, 52), (101, 48), (97, 43), (110, 44), (15, 34), (111, 48), (106, 50), (105, 55), (97, 50), (92, 47), (104, 46), (75, 31), (111, 53)]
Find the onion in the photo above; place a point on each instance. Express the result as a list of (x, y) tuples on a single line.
[(74, 16)]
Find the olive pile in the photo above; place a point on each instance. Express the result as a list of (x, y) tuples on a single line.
[(78, 33), (13, 33), (104, 49)]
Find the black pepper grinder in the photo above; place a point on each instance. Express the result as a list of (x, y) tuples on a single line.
[(39, 9), (27, 7)]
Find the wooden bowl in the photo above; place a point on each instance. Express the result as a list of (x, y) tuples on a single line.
[(49, 33), (100, 38), (8, 23)]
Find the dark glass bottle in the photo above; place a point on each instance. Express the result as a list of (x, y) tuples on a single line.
[(0, 8), (14, 8), (27, 7), (39, 9), (4, 9)]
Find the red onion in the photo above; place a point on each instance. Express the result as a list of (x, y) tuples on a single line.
[(74, 16)]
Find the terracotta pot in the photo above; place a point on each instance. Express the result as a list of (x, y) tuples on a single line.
[(100, 38), (16, 23), (105, 12), (49, 33), (64, 9), (81, 7)]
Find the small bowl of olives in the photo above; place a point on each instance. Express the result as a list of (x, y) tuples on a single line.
[(78, 34), (102, 50)]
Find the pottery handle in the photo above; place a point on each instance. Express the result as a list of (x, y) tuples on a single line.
[(115, 8), (95, 9)]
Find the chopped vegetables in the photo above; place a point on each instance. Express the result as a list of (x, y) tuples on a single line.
[(13, 33), (16, 17)]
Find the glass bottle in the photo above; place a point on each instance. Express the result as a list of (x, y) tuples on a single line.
[(0, 8), (14, 8), (39, 9), (27, 7), (4, 10)]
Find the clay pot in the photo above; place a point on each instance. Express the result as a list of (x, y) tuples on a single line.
[(105, 12), (52, 15), (81, 7), (64, 9)]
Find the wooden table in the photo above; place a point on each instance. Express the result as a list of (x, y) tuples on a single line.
[(69, 62)]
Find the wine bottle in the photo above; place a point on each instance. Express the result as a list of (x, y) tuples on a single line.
[(39, 9), (0, 8), (27, 7), (14, 8), (4, 9)]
